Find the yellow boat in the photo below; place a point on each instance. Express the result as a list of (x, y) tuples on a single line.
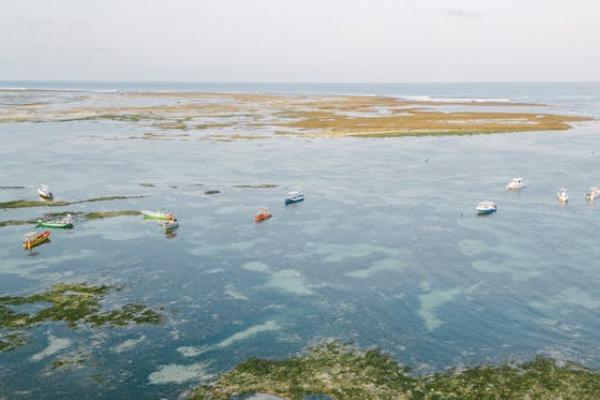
[(33, 239)]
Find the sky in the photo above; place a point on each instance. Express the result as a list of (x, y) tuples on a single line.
[(300, 41)]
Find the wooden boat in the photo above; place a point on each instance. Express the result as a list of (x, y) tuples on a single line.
[(562, 195), (159, 215), (63, 223), (263, 214), (516, 184), (486, 207), (44, 193), (33, 239), (294, 197)]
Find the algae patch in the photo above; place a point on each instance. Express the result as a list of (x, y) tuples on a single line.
[(90, 216), (75, 304), (61, 203), (258, 186), (346, 373)]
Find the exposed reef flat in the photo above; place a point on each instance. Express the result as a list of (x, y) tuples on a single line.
[(345, 373), (229, 116), (72, 303), (81, 216), (61, 203)]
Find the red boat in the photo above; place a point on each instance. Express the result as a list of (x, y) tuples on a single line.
[(262, 215)]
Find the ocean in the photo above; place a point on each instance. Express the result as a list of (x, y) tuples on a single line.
[(385, 251)]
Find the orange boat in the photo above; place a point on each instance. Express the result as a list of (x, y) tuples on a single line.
[(33, 239), (262, 215)]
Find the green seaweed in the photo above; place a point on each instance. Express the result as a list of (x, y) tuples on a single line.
[(110, 214), (346, 373), (11, 341), (13, 222), (95, 215), (146, 184), (74, 304), (61, 203), (70, 361)]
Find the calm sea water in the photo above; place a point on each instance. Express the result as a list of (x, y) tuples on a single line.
[(386, 249)]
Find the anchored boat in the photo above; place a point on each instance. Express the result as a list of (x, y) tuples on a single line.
[(63, 223), (486, 207), (263, 214), (516, 184), (44, 193), (593, 194), (33, 239), (159, 215), (294, 197), (170, 224), (562, 195)]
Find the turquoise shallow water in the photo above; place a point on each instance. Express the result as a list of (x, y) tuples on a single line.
[(386, 250)]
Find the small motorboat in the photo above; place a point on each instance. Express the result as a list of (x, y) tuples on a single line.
[(159, 215), (44, 193), (294, 197), (486, 207), (171, 223), (263, 214), (563, 196), (63, 223), (593, 194), (33, 239), (516, 184)]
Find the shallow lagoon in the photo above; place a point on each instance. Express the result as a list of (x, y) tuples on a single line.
[(386, 250)]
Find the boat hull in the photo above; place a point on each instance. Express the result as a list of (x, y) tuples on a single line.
[(56, 225), (262, 217), (294, 200), (36, 241), (154, 215), (171, 226), (486, 211)]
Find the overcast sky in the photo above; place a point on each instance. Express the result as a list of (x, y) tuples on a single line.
[(300, 40)]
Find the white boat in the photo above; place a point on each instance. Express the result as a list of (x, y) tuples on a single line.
[(563, 196), (44, 193), (294, 197), (516, 184), (486, 207), (593, 194), (156, 214), (170, 225)]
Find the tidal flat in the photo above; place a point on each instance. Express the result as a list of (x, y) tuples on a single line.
[(231, 116)]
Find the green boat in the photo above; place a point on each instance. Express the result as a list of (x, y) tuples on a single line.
[(64, 223)]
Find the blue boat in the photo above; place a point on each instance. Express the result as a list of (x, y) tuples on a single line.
[(486, 207), (294, 197)]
